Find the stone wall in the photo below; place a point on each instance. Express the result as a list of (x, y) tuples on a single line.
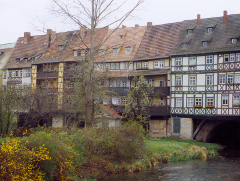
[(157, 128), (186, 130), (57, 122)]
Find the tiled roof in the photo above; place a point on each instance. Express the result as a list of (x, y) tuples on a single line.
[(111, 111), (35, 47), (219, 39), (158, 41), (132, 38), (4, 52)]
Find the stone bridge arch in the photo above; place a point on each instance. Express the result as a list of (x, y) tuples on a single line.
[(224, 132)]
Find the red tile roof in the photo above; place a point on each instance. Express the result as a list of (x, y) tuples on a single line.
[(111, 111)]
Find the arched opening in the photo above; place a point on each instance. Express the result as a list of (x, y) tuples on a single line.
[(226, 134)]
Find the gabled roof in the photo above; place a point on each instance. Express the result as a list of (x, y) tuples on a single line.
[(111, 111), (33, 48), (158, 41), (219, 39), (132, 38)]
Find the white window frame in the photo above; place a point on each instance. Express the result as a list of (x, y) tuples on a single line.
[(190, 102), (234, 40), (128, 50), (139, 65), (189, 31), (126, 65), (117, 66), (101, 52), (158, 64), (209, 80), (75, 53), (145, 65), (225, 100), (192, 61), (27, 73), (237, 79), (222, 78), (226, 58), (151, 82), (113, 66), (198, 101), (116, 51), (178, 80), (192, 80), (209, 59), (205, 43), (236, 99), (238, 57), (178, 61), (230, 78), (124, 83), (210, 29), (178, 102), (83, 53), (210, 101), (232, 57)]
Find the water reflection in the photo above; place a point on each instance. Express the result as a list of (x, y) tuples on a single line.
[(219, 168)]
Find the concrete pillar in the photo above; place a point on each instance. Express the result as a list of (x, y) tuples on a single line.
[(186, 130)]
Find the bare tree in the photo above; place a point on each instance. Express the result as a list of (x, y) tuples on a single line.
[(90, 14)]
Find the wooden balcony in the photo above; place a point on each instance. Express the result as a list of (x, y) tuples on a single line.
[(159, 111), (122, 91), (48, 74), (161, 91), (14, 80)]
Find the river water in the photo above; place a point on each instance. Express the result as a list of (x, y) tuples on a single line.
[(219, 168)]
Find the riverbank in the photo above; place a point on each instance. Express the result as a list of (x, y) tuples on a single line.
[(170, 150)]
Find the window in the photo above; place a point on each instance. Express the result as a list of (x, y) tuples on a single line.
[(178, 102), (122, 101), (125, 65), (17, 60), (210, 102), (151, 82), (117, 66), (27, 73), (192, 61), (82, 53), (205, 43), (192, 80), (222, 79), (178, 80), (234, 40), (116, 51), (238, 57), (209, 29), (237, 78), (232, 57), (16, 73), (159, 64), (161, 83), (121, 37), (209, 80), (184, 45), (230, 78), (102, 66), (124, 83), (9, 73), (118, 83), (209, 59), (190, 102), (224, 100), (178, 61), (4, 74), (139, 65), (198, 102), (128, 50), (236, 100), (161, 101), (101, 52), (61, 47), (226, 58), (145, 65), (189, 31)]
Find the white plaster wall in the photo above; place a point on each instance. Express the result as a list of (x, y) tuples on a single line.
[(200, 67), (185, 80), (185, 61), (200, 60), (200, 79)]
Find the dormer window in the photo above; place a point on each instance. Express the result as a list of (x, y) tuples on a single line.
[(18, 60), (116, 51), (234, 40), (210, 29), (25, 60), (82, 53), (184, 45), (128, 50), (189, 31), (205, 43), (75, 53), (121, 37), (101, 52), (61, 47)]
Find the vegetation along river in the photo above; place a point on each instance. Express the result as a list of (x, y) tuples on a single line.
[(220, 168)]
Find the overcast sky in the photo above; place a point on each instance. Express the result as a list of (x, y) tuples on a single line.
[(19, 16)]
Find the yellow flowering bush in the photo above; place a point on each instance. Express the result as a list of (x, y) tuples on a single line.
[(19, 162)]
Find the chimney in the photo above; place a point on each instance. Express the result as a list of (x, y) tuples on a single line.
[(198, 19), (225, 17), (136, 25), (27, 36), (49, 34), (123, 26), (149, 25)]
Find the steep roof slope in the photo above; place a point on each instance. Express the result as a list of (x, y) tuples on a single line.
[(218, 40), (158, 41)]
